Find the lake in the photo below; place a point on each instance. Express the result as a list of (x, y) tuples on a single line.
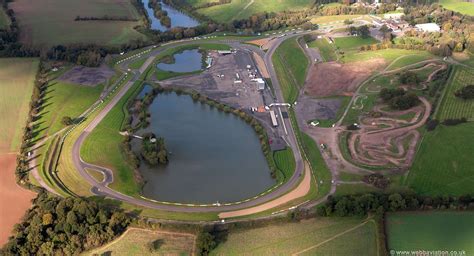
[(214, 156), (185, 61), (178, 19)]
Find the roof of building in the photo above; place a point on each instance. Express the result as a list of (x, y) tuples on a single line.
[(428, 27)]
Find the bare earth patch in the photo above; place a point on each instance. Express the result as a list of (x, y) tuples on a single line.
[(14, 200), (87, 76), (332, 78)]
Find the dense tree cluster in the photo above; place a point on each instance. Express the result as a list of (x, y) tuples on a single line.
[(409, 78), (399, 98), (64, 226), (154, 150), (360, 205), (159, 13), (465, 93), (362, 31)]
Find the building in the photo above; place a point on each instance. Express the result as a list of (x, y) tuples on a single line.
[(428, 27), (224, 52), (260, 83)]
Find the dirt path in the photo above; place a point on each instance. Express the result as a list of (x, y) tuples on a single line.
[(261, 65), (301, 190), (14, 200), (243, 9)]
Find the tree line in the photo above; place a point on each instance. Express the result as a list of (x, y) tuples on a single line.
[(159, 13), (378, 203)]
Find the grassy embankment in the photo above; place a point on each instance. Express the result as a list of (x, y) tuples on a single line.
[(240, 9), (51, 23), (322, 236), (285, 162), (326, 49), (353, 42), (458, 6), (168, 54), (17, 79), (431, 231)]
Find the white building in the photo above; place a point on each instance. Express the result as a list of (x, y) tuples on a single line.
[(428, 27)]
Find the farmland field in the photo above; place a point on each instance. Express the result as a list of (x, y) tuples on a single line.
[(240, 9), (353, 42), (325, 48), (51, 22), (16, 78), (431, 231), (138, 242), (451, 106), (323, 236), (443, 164), (463, 7), (16, 87)]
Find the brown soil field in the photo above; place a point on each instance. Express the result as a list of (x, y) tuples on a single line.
[(14, 200), (332, 78), (87, 76), (264, 42)]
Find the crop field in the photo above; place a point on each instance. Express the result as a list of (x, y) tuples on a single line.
[(16, 79), (443, 164), (285, 162), (326, 49), (461, 6), (51, 22), (139, 242), (353, 42), (452, 106), (431, 231), (291, 67), (240, 9), (322, 236)]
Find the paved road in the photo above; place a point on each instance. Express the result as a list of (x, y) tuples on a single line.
[(102, 188)]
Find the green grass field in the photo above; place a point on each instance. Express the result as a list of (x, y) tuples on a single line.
[(320, 170), (431, 231), (326, 20), (322, 236), (443, 164), (459, 6), (328, 53), (240, 9), (16, 79), (138, 242), (4, 20), (452, 106), (70, 99), (353, 42), (51, 22), (291, 65), (389, 55), (285, 162), (106, 137)]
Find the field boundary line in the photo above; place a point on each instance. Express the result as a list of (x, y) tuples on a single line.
[(332, 238)]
